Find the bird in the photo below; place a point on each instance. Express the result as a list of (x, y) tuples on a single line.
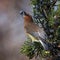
[(35, 32), (31, 27)]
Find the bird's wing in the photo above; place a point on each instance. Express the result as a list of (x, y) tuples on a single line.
[(35, 30), (45, 44), (37, 34)]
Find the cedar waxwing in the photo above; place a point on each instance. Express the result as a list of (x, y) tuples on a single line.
[(31, 27), (35, 32)]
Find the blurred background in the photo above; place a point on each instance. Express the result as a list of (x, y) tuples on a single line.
[(12, 35)]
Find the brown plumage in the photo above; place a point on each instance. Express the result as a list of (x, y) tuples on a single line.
[(34, 30)]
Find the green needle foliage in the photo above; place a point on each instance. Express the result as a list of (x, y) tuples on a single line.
[(28, 49), (33, 49)]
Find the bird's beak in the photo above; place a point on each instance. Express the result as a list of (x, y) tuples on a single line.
[(23, 13)]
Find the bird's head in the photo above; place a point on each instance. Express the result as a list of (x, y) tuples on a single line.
[(26, 16), (23, 13)]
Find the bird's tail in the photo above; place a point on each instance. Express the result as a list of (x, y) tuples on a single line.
[(44, 43)]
